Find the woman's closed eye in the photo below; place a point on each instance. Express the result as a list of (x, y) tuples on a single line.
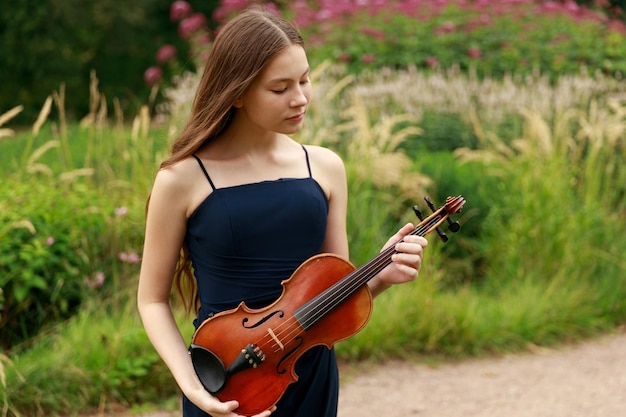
[(284, 89)]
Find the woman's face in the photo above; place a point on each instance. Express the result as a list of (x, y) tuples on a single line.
[(278, 99)]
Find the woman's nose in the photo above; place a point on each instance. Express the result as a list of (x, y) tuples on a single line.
[(300, 97)]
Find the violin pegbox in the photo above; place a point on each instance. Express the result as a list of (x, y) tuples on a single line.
[(452, 206)]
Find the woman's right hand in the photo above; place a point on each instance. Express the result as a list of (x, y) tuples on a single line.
[(216, 408)]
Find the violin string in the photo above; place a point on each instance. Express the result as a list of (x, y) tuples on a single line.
[(293, 326), (343, 290), (290, 328), (379, 262), (349, 286)]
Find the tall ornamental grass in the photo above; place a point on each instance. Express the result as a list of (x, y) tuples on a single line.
[(72, 212), (550, 247)]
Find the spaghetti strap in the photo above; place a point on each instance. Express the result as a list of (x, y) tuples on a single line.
[(308, 164), (206, 174)]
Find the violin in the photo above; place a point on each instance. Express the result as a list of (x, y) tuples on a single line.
[(249, 355)]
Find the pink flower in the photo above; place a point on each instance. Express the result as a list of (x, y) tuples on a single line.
[(368, 58), (50, 241), (474, 52), (484, 19), (324, 15), (446, 27), (304, 14), (152, 76), (133, 258), (228, 8), (550, 6), (344, 57), (272, 8), (121, 211), (179, 10), (166, 53), (373, 32), (203, 56), (191, 25), (130, 257), (616, 25), (204, 39), (432, 62), (571, 7), (96, 281)]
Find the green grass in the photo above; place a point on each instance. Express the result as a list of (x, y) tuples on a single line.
[(101, 357)]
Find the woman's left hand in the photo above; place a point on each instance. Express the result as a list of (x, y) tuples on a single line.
[(406, 263)]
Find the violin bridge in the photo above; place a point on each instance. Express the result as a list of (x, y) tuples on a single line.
[(276, 339)]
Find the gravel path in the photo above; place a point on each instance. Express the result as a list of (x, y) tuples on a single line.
[(586, 380)]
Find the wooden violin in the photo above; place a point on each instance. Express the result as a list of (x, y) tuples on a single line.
[(249, 355)]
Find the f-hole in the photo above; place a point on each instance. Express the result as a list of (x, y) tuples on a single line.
[(245, 325), (280, 370)]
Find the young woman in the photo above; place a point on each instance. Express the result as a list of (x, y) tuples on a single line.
[(244, 205)]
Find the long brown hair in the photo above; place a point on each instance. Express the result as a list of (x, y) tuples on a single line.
[(241, 50)]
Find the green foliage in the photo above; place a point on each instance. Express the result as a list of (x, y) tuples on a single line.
[(68, 229), (60, 244), (566, 181), (443, 131), (614, 8), (464, 262), (54, 259), (50, 244)]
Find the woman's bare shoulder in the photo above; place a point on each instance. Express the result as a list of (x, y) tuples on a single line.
[(329, 171), (324, 157), (177, 175), (178, 184)]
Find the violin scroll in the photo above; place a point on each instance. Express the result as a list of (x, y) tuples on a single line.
[(453, 205)]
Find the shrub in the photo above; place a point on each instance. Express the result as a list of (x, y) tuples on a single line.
[(45, 255), (58, 244)]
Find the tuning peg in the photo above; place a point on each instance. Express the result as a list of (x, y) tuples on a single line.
[(453, 226), (440, 232)]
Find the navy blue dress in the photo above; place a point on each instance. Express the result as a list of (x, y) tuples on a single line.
[(243, 241)]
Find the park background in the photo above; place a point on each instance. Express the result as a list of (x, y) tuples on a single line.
[(517, 105)]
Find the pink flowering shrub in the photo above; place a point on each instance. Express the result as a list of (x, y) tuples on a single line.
[(179, 10), (152, 76), (494, 37), (193, 28)]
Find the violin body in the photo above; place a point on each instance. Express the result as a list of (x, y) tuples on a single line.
[(281, 338)]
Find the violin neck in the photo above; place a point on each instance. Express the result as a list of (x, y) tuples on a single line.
[(318, 307)]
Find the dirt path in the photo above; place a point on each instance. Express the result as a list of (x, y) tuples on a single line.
[(586, 380)]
